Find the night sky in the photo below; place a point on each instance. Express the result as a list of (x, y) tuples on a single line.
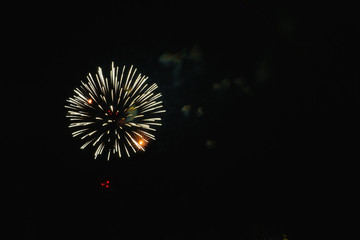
[(259, 98)]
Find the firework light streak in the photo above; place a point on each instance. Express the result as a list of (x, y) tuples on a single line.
[(115, 115)]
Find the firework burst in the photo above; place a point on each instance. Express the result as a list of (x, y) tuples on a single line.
[(115, 115)]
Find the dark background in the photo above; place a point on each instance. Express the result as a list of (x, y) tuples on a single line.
[(266, 146)]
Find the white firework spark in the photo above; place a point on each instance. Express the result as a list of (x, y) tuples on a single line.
[(115, 115)]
